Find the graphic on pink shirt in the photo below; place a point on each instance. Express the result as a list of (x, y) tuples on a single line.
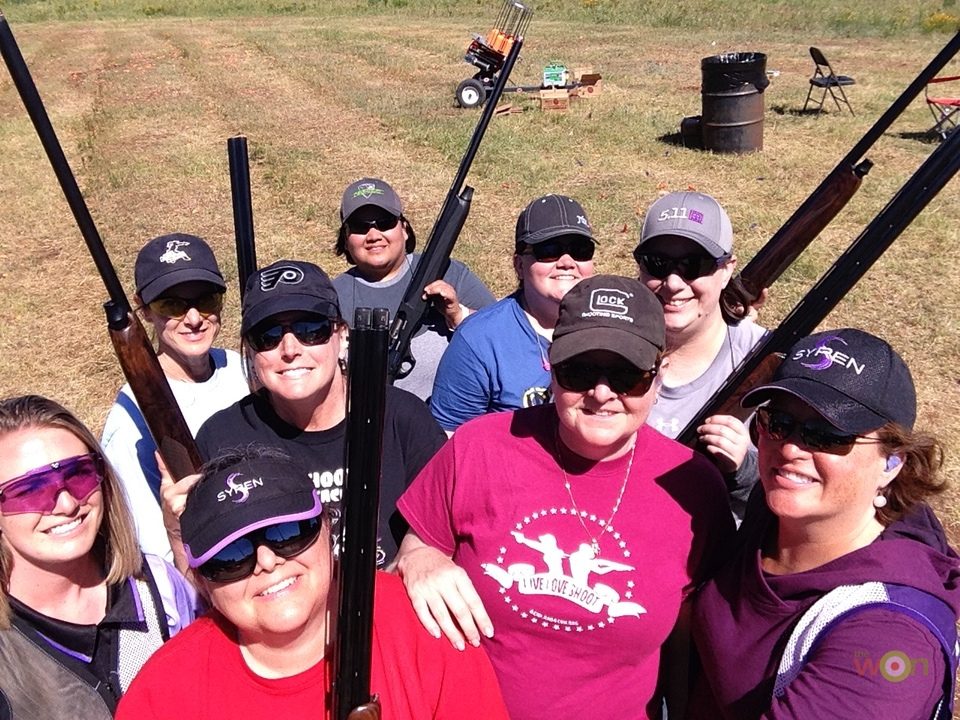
[(565, 574)]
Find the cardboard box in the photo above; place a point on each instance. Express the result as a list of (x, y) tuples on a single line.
[(591, 84), (554, 100)]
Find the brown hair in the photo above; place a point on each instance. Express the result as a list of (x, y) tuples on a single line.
[(919, 477), (121, 554)]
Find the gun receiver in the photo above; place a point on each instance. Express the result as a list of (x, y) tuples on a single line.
[(436, 255)]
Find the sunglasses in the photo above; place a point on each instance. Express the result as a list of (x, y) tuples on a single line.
[(307, 332), (37, 490), (177, 307), (813, 434), (689, 267), (622, 379), (238, 559), (581, 250), (382, 223)]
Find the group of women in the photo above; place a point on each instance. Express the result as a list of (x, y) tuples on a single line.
[(594, 560)]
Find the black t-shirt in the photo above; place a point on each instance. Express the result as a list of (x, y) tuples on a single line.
[(410, 438)]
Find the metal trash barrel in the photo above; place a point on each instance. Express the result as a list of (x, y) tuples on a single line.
[(732, 101)]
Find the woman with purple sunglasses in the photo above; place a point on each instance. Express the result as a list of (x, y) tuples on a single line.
[(81, 608)]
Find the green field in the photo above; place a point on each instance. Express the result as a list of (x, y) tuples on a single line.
[(145, 94)]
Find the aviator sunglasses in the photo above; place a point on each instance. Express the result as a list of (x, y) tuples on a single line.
[(689, 267), (382, 222), (238, 559), (307, 332), (622, 379), (37, 490), (813, 435), (177, 307), (580, 249)]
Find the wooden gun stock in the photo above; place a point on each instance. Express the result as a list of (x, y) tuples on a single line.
[(156, 400), (823, 205), (803, 227), (137, 357), (370, 711)]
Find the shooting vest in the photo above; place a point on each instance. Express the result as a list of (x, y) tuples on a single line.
[(38, 686), (846, 600)]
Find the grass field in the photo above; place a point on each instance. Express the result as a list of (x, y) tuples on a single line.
[(144, 95)]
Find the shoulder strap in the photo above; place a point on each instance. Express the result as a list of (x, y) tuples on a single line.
[(841, 602), (179, 598)]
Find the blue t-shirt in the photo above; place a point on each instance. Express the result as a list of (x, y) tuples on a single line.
[(496, 361)]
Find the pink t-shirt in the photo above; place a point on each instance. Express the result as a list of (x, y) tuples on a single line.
[(576, 635)]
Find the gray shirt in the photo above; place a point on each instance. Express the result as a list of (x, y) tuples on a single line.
[(677, 406), (429, 343)]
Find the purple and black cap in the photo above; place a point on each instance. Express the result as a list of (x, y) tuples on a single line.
[(855, 380), (288, 286), (243, 497), (169, 260)]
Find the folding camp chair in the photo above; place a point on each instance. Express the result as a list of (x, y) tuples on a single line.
[(827, 81), (943, 107)]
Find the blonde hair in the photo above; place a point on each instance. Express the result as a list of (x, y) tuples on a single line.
[(121, 554)]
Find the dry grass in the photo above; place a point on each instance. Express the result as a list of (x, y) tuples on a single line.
[(143, 109)]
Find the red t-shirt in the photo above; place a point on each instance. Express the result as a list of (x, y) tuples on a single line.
[(201, 675), (576, 635)]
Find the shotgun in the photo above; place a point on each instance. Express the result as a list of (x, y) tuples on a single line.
[(130, 342), (242, 209), (436, 255), (822, 206), (758, 366), (356, 569)]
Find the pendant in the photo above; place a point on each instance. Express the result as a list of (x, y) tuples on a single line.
[(595, 545)]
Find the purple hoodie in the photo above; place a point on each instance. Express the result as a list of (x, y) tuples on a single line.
[(742, 620)]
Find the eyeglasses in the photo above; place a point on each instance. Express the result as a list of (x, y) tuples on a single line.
[(37, 490), (177, 307), (622, 379), (307, 332), (382, 222), (814, 435), (238, 559), (689, 267), (580, 249)]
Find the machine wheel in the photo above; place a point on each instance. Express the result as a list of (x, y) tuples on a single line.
[(471, 93)]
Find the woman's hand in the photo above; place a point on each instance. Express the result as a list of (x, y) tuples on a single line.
[(446, 300), (727, 440), (441, 593), (173, 499)]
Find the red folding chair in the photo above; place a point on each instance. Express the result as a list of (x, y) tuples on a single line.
[(944, 108)]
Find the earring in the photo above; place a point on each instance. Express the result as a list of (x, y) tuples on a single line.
[(880, 501), (342, 363)]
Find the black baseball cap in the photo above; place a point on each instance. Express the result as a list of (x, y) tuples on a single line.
[(286, 286), (610, 312), (854, 379), (242, 497), (169, 260), (552, 216)]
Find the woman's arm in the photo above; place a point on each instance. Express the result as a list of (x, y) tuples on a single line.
[(441, 593)]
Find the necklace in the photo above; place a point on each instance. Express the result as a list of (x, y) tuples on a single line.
[(594, 540)]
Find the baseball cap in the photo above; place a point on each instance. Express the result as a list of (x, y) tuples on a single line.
[(691, 215), (285, 286), (854, 379), (241, 497), (552, 216), (610, 312), (169, 260), (369, 191)]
